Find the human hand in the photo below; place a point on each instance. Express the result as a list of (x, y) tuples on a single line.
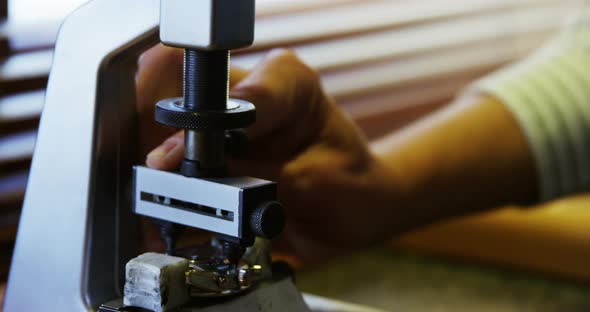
[(335, 190)]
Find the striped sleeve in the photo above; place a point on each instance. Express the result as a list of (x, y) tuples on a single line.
[(549, 96)]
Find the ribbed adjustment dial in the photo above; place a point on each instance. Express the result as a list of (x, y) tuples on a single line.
[(268, 219)]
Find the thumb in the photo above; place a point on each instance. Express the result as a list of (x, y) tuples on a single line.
[(282, 88)]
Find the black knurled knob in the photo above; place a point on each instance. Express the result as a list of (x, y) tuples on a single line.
[(268, 219)]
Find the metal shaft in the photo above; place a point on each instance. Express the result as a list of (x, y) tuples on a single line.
[(206, 76), (206, 88)]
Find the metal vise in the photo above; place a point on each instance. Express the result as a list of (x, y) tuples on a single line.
[(78, 228)]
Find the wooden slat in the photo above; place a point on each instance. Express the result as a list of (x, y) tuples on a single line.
[(30, 37), (405, 72), (21, 111), (12, 188), (7, 168), (5, 258), (33, 36), (369, 48), (25, 71), (4, 49), (266, 8), (3, 10), (17, 147), (29, 70), (3, 36), (401, 43), (369, 79), (413, 58), (385, 75), (364, 18)]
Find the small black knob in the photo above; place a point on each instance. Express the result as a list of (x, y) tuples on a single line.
[(268, 219)]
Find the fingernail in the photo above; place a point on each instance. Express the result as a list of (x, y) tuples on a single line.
[(161, 151)]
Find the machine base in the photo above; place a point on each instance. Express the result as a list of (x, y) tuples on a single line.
[(273, 296)]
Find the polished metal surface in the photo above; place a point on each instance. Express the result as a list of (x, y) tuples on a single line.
[(211, 275), (76, 214), (212, 205), (205, 147), (207, 24)]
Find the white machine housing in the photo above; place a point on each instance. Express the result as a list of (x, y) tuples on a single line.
[(207, 24)]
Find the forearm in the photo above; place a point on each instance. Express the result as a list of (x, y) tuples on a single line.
[(468, 157)]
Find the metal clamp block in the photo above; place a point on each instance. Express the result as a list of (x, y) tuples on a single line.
[(231, 206)]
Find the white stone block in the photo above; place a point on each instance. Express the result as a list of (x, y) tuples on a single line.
[(156, 282)]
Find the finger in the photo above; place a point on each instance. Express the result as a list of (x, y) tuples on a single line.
[(169, 154), (281, 87), (158, 76)]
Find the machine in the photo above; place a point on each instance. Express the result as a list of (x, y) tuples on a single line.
[(79, 227)]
